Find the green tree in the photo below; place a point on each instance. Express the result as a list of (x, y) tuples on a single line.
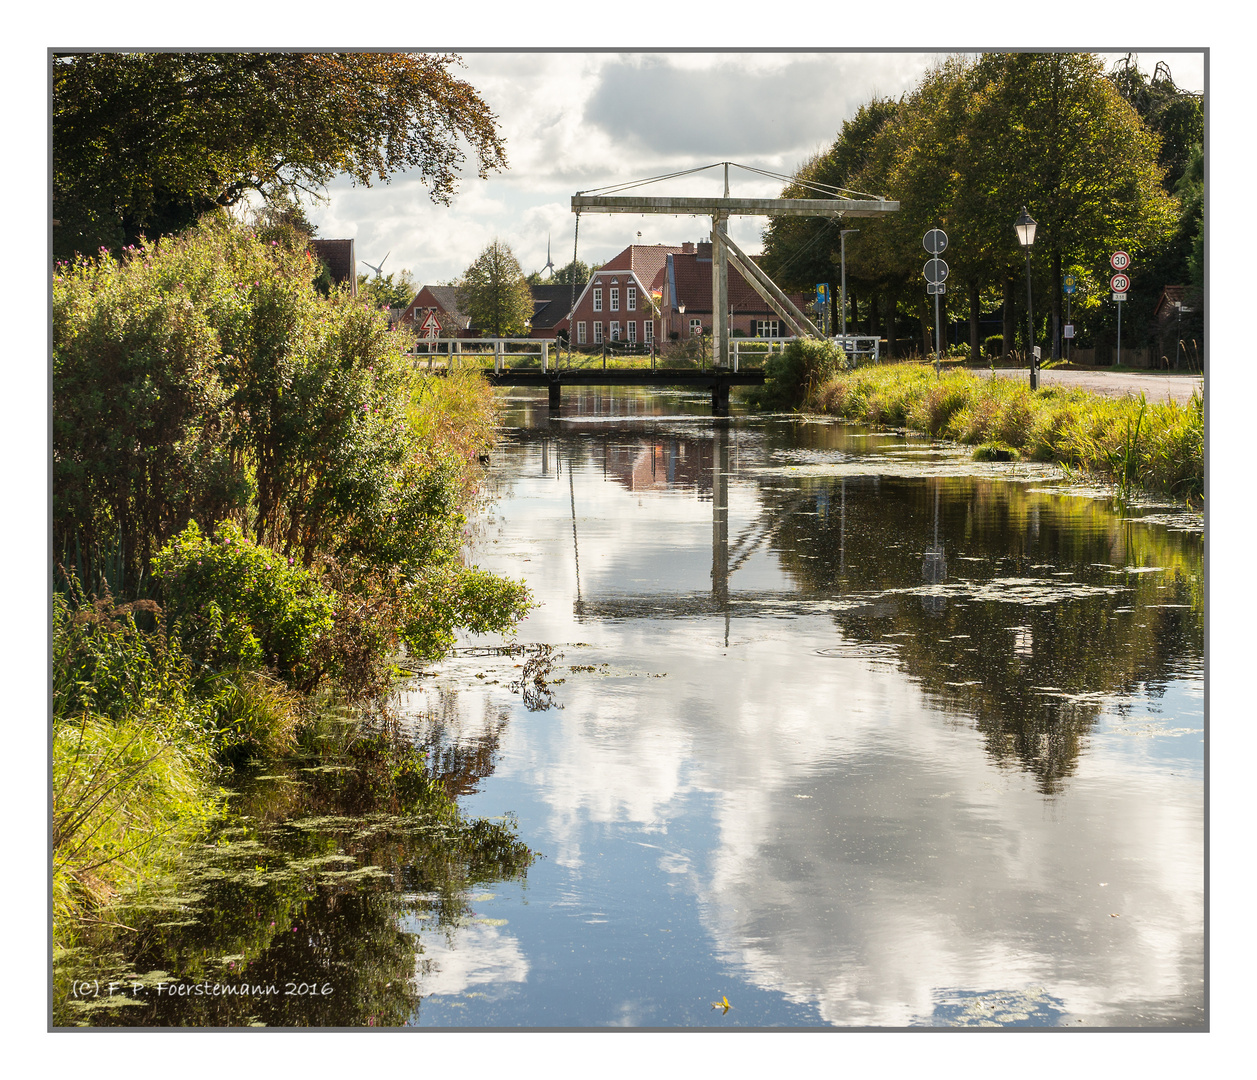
[(494, 293), (1176, 115), (1049, 132), (387, 290), (575, 271), (143, 143), (203, 379)]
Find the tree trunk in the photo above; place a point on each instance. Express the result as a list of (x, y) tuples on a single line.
[(1006, 351), (975, 329), (1055, 287)]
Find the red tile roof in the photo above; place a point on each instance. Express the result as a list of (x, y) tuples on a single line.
[(647, 261)]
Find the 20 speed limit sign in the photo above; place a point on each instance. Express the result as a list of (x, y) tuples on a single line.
[(1119, 260), (1119, 283)]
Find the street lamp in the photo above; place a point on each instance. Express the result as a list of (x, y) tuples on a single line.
[(842, 236), (1024, 227)]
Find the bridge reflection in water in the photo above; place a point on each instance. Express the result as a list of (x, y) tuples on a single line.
[(705, 463)]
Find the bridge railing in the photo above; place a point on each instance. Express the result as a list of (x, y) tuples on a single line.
[(552, 355), (484, 352)]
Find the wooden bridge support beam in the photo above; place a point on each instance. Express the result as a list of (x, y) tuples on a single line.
[(555, 395), (720, 399)]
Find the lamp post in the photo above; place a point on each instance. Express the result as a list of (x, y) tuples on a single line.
[(842, 236), (1024, 227)]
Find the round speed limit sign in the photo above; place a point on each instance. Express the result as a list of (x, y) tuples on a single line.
[(1119, 260), (1119, 283)]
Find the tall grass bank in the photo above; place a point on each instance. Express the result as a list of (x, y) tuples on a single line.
[(1159, 447)]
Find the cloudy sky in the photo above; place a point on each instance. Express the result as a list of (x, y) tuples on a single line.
[(576, 121)]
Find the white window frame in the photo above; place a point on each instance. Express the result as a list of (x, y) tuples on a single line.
[(615, 331), (597, 299), (615, 298), (580, 333), (630, 298), (648, 330), (696, 328), (767, 328), (598, 332), (631, 329)]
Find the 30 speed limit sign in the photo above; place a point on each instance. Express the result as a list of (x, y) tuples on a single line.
[(1119, 260), (1119, 283)]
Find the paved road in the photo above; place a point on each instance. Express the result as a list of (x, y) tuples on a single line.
[(1157, 385)]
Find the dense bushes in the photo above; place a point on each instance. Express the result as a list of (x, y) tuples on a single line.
[(796, 371), (276, 499)]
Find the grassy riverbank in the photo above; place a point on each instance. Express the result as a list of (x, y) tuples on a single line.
[(1132, 442)]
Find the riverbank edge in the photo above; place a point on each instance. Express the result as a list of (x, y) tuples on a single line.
[(1156, 447)]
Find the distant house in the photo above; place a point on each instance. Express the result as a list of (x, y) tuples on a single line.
[(1169, 324), (637, 298), (338, 257), (442, 302), (616, 303), (550, 305), (687, 285)]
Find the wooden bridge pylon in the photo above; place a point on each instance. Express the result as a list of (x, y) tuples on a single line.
[(724, 251)]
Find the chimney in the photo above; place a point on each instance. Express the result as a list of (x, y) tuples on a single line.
[(687, 247)]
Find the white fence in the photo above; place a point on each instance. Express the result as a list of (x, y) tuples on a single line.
[(504, 350)]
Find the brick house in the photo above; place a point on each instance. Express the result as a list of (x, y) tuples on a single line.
[(442, 301), (688, 284), (550, 305), (338, 257), (615, 304)]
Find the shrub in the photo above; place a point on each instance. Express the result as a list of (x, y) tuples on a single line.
[(240, 605), (994, 345), (798, 371)]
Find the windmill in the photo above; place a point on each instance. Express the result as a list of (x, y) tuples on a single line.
[(377, 268), (549, 262)]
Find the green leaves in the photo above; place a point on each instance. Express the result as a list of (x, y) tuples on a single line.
[(143, 143), (495, 294)]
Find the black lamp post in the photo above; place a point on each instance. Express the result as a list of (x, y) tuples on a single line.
[(1024, 227)]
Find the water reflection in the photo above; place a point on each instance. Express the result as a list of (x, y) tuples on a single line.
[(857, 734)]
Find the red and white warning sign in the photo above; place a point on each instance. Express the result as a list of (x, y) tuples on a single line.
[(431, 325)]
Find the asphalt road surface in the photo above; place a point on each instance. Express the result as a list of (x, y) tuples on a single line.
[(1158, 386)]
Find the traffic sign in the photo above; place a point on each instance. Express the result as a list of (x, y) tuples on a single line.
[(935, 241), (431, 325), (1119, 296), (1119, 283), (1071, 284), (935, 271), (935, 290), (1119, 260)]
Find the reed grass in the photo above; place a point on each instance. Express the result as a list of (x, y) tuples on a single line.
[(1134, 443)]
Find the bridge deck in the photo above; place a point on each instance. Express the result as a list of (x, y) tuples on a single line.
[(626, 377)]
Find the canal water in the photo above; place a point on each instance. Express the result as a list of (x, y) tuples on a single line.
[(813, 726)]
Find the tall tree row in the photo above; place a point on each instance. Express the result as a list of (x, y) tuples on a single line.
[(977, 140)]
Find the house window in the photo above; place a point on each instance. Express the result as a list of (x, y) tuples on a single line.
[(630, 297), (615, 299), (648, 329), (632, 331), (597, 333), (767, 328), (580, 333), (615, 327), (696, 327), (597, 300)]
